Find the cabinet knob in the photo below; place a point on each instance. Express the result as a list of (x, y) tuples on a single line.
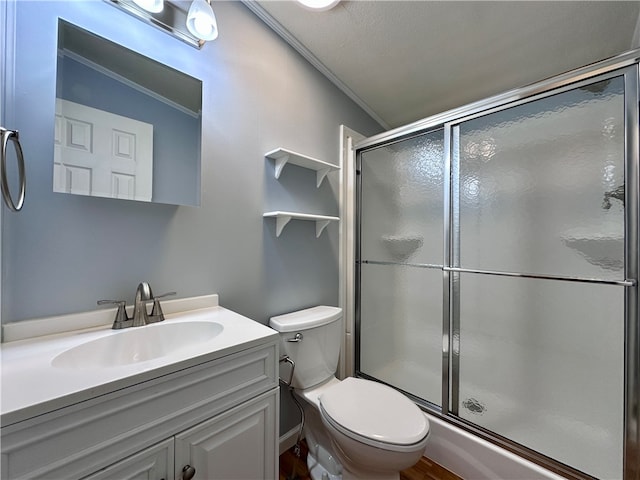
[(188, 472)]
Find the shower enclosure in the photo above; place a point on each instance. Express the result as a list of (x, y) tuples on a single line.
[(496, 267)]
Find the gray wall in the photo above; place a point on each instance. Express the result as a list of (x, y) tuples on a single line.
[(64, 252), (635, 42)]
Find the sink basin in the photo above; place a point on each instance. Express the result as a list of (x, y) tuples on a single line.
[(137, 344)]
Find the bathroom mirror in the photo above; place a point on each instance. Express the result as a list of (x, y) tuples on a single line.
[(126, 126)]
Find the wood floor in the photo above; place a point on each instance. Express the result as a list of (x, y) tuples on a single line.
[(292, 468)]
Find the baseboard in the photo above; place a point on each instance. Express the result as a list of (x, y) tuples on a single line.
[(288, 440)]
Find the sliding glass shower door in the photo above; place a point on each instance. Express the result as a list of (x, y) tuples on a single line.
[(401, 252), (496, 270), (541, 360)]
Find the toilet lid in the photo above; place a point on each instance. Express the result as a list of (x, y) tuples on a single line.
[(375, 411)]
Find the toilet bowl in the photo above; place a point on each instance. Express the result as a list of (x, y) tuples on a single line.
[(376, 431), (355, 428)]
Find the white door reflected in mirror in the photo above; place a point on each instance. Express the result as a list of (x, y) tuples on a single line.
[(143, 117), (101, 154)]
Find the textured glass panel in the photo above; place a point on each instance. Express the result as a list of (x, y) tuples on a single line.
[(402, 195), (401, 328), (541, 185), (541, 363)]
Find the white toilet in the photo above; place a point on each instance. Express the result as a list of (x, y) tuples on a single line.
[(355, 428)]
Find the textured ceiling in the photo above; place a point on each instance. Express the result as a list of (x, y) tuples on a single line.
[(406, 60)]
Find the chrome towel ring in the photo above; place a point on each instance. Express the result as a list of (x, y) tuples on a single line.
[(12, 135)]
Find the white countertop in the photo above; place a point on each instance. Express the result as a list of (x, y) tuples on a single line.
[(32, 386)]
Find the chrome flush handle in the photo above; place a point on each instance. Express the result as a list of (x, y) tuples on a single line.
[(297, 338)]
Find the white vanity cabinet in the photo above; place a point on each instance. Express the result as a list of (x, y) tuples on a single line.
[(237, 444), (220, 417)]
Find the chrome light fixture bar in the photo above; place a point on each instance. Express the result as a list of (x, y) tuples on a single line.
[(192, 29)]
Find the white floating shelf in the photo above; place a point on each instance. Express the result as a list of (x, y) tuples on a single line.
[(282, 156), (282, 218)]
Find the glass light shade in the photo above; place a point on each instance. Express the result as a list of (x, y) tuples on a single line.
[(319, 5), (201, 20), (153, 6)]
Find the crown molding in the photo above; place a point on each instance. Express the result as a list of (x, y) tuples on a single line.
[(277, 27)]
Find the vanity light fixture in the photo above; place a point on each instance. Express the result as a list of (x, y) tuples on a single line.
[(153, 6), (194, 26), (201, 21), (319, 5)]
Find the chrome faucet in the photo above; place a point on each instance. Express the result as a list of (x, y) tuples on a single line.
[(140, 316), (143, 295)]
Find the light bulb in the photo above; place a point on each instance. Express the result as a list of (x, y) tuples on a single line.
[(153, 6), (203, 26), (319, 5), (201, 21)]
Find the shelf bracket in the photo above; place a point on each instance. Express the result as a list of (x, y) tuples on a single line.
[(281, 221), (280, 162), (320, 174), (320, 226)]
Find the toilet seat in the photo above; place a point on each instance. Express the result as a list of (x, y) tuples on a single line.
[(374, 414)]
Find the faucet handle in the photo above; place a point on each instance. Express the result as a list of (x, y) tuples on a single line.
[(168, 294), (121, 314), (156, 311)]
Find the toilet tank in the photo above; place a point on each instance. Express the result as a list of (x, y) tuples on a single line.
[(312, 339)]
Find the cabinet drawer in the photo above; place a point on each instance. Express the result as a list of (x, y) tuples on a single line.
[(77, 440)]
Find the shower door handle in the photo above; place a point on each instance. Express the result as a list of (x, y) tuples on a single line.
[(5, 136)]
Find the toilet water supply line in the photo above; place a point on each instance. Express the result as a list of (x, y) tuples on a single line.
[(286, 359)]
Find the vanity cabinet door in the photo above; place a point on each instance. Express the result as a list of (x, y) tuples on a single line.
[(153, 463), (237, 444)]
